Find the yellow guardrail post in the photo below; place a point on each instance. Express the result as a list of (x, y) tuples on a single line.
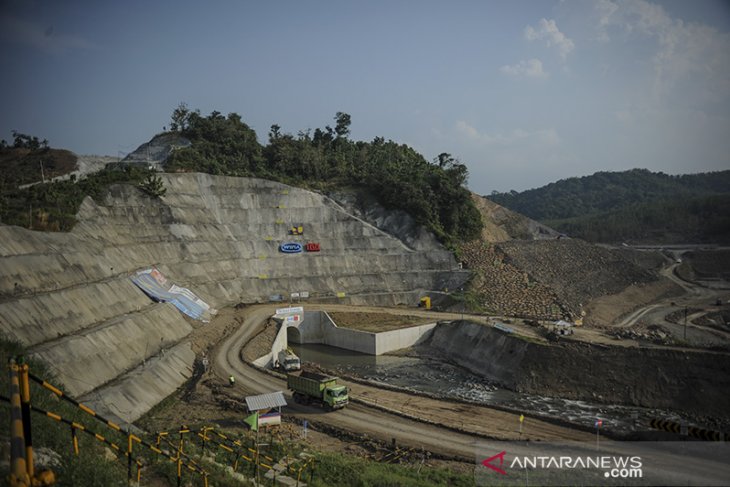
[(18, 470), (74, 440), (129, 458), (25, 410)]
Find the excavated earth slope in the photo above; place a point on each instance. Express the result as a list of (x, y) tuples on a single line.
[(69, 297), (686, 380), (548, 279)]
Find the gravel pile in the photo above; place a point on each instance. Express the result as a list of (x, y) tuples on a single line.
[(505, 289)]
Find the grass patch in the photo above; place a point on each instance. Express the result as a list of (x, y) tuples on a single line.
[(339, 469), (376, 322)]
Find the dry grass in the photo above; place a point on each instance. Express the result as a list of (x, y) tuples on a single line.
[(377, 322)]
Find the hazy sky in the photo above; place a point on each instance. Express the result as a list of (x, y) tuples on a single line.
[(523, 92)]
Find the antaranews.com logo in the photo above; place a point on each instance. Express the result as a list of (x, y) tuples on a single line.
[(621, 463), (611, 466)]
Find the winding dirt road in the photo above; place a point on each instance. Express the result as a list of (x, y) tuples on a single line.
[(455, 426)]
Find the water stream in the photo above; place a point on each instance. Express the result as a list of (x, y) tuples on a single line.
[(437, 377)]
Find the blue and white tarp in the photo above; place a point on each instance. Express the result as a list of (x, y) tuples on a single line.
[(156, 286)]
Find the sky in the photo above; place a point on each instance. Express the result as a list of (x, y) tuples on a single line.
[(523, 92)]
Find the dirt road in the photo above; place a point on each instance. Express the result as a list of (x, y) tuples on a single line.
[(456, 426)]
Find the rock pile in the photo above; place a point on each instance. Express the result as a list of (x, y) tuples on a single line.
[(547, 279), (507, 290)]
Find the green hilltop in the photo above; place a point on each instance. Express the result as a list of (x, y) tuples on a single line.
[(433, 193)]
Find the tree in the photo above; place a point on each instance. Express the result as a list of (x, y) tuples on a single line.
[(180, 118), (342, 128), (153, 186), (444, 160), (24, 141)]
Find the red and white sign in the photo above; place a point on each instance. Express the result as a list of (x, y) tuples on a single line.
[(270, 419)]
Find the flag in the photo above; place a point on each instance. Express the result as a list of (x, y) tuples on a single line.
[(599, 423), (253, 421)]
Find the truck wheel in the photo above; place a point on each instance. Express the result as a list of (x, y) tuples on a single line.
[(297, 398)]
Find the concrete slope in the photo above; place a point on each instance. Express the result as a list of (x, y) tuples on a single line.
[(69, 296)]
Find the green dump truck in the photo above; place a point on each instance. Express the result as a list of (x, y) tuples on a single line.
[(309, 387)]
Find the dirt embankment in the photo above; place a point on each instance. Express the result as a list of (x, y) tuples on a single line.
[(607, 310), (694, 382), (501, 224), (549, 279), (576, 270), (706, 264)]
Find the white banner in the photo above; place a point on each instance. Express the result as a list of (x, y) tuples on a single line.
[(290, 311)]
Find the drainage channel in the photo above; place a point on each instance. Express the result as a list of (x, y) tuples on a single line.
[(432, 376)]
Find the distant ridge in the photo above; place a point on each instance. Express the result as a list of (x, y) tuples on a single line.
[(637, 205)]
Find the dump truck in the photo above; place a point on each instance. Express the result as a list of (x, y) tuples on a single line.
[(288, 361), (310, 387)]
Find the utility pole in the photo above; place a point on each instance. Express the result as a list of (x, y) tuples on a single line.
[(43, 178), (685, 323), (463, 302)]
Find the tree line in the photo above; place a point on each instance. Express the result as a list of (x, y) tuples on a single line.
[(434, 193), (609, 191)]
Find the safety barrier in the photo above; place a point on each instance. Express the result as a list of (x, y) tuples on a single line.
[(80, 427), (228, 444), (693, 431), (19, 471), (239, 450), (22, 473)]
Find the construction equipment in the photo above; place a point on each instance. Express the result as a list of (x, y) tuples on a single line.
[(310, 387), (288, 361)]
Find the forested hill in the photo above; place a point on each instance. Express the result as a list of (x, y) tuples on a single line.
[(607, 191), (636, 205)]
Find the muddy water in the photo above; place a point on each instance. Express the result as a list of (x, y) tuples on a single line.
[(436, 377)]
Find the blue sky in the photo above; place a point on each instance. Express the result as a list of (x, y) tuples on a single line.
[(523, 92)]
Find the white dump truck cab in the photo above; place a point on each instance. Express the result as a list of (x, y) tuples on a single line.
[(288, 361)]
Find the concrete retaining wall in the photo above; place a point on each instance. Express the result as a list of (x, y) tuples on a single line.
[(649, 377), (318, 327), (280, 343), (388, 341)]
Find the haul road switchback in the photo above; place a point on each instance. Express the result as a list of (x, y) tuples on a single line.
[(358, 417)]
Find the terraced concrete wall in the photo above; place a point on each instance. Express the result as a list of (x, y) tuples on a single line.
[(69, 297)]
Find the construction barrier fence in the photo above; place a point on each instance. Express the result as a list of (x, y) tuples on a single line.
[(23, 475)]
